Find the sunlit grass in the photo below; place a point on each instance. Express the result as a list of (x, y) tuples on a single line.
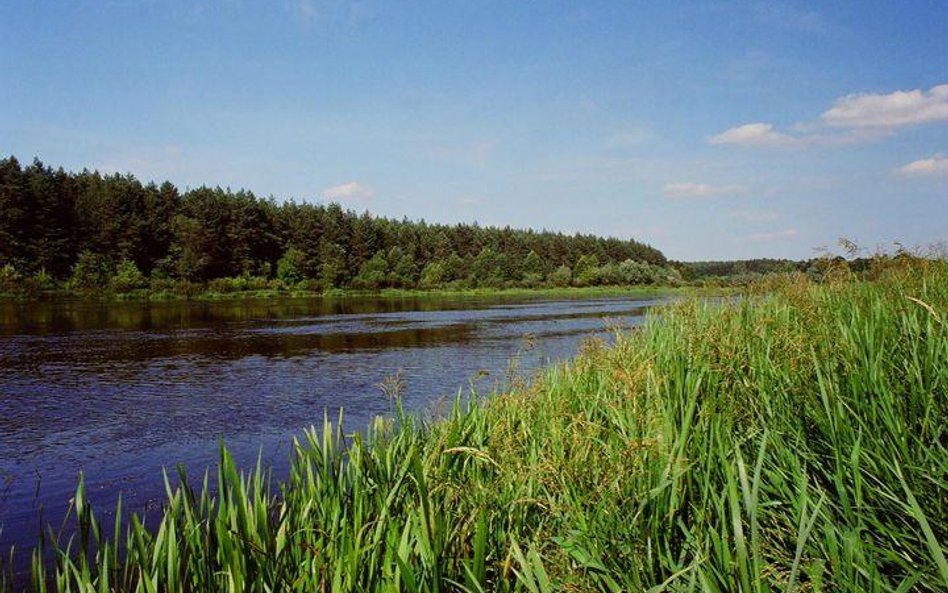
[(791, 440)]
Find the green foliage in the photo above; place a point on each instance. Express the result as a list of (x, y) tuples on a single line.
[(127, 277), (434, 275), (90, 271), (404, 272), (792, 440), (561, 276), (48, 218), (9, 278), (532, 270), (586, 272), (373, 274), (332, 269), (290, 267)]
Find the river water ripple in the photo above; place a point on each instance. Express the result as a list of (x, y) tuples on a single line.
[(122, 390)]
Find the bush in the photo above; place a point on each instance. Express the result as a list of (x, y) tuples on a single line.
[(290, 266), (309, 285), (561, 276), (127, 277), (433, 275), (372, 274), (91, 270), (9, 278)]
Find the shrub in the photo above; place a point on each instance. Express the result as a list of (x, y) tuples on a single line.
[(290, 266), (433, 275), (127, 277), (9, 278), (91, 270), (561, 276)]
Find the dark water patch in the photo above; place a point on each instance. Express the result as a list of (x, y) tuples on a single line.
[(122, 390)]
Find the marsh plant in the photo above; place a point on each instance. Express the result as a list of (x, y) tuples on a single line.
[(793, 439)]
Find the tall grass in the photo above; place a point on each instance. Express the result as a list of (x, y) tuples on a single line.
[(791, 440)]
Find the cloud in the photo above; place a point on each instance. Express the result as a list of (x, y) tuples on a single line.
[(783, 235), (755, 134), (754, 215), (935, 166), (690, 189), (470, 201), (900, 108), (353, 191), (850, 120)]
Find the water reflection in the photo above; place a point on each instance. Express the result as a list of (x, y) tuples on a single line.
[(122, 390)]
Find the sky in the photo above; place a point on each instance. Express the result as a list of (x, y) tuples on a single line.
[(710, 130)]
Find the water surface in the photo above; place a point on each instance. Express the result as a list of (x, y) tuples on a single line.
[(121, 390)]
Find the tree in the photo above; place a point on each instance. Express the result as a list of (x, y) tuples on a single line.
[(48, 218), (586, 272), (532, 270), (434, 275), (561, 276), (332, 270), (12, 214), (127, 277), (404, 270), (290, 265), (373, 274), (91, 270)]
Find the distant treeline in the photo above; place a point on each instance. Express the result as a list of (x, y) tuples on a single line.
[(740, 272), (88, 231)]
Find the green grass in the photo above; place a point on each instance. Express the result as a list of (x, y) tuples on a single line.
[(793, 440), (271, 294)]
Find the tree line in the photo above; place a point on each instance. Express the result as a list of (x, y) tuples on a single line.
[(92, 231)]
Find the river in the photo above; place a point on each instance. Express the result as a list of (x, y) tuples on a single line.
[(122, 390)]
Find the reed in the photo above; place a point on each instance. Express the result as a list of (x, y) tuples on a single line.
[(790, 440)]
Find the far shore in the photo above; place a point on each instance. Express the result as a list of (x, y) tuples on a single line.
[(143, 295)]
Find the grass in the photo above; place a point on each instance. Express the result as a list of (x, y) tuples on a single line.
[(273, 294), (793, 440)]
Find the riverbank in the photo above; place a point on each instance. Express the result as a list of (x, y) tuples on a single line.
[(338, 293), (792, 441)]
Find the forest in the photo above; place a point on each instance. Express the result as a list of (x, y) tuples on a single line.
[(93, 232)]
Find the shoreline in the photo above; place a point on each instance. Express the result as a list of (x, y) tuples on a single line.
[(726, 445), (68, 296)]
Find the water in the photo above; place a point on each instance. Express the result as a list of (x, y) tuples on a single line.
[(122, 390)]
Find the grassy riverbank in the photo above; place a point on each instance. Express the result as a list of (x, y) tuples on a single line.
[(204, 295), (792, 441)]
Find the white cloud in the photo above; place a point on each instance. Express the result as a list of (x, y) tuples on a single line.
[(470, 201), (774, 236), (900, 108), (690, 189), (935, 166), (850, 120), (754, 215), (755, 134), (348, 191)]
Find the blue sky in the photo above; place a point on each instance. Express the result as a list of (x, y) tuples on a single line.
[(711, 130)]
